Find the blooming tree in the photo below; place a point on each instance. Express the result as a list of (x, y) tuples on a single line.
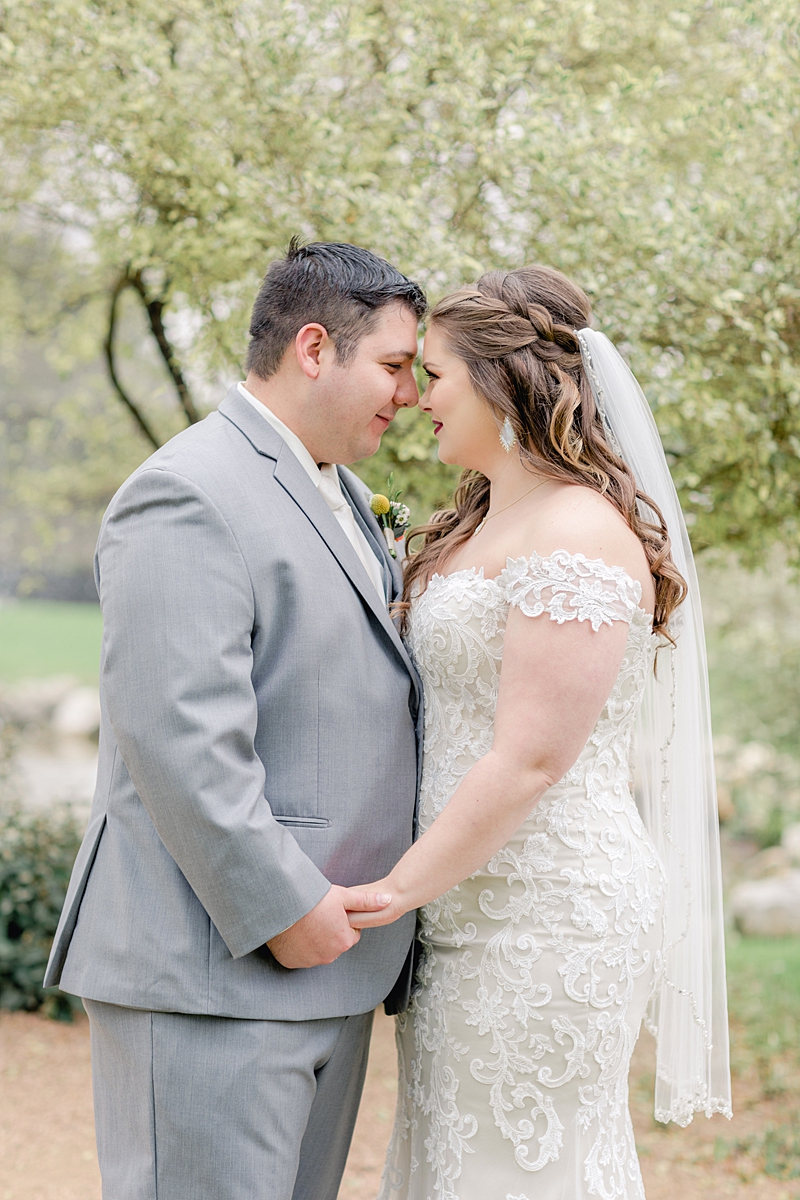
[(649, 150)]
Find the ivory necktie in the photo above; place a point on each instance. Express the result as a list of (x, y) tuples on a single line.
[(331, 491)]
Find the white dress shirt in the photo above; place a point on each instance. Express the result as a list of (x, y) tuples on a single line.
[(326, 479)]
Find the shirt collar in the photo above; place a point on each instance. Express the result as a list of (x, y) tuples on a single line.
[(292, 440)]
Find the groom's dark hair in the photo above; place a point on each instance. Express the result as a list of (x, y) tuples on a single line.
[(334, 284)]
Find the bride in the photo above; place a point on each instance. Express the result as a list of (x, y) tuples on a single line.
[(554, 618)]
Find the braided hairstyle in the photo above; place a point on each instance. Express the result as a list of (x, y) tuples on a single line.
[(516, 333)]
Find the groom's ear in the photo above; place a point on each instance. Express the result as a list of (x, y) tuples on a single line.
[(312, 345)]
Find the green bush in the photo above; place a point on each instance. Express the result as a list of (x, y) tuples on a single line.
[(37, 851), (759, 789)]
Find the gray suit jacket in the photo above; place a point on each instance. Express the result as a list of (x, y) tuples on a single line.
[(260, 737)]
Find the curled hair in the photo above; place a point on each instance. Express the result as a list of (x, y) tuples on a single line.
[(516, 333)]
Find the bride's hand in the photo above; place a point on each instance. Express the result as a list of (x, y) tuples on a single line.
[(370, 896)]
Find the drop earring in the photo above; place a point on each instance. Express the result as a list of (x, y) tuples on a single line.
[(507, 436)]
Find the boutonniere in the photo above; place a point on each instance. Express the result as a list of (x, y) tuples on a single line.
[(393, 516)]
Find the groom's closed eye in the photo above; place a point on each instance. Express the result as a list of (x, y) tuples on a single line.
[(397, 364)]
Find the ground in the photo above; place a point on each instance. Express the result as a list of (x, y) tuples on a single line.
[(47, 1141)]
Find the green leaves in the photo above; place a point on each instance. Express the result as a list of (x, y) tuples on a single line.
[(36, 856), (649, 150)]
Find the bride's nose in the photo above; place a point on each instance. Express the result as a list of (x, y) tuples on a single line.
[(424, 400)]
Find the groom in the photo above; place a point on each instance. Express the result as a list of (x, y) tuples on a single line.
[(258, 755)]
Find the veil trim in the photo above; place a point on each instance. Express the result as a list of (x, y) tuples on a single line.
[(674, 783)]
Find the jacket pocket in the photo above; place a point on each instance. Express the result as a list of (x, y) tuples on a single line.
[(306, 822)]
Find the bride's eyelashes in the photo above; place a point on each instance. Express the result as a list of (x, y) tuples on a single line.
[(430, 374)]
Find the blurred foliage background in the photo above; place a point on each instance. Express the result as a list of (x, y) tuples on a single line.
[(157, 154)]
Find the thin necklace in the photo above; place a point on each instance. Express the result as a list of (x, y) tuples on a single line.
[(489, 516)]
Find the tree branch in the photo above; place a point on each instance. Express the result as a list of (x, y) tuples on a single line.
[(108, 346), (154, 309)]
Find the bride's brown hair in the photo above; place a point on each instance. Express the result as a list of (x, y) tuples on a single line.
[(516, 333)]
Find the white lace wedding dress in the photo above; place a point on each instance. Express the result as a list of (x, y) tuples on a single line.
[(536, 971)]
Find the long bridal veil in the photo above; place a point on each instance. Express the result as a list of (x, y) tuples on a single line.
[(675, 785)]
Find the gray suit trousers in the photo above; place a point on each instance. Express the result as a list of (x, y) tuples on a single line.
[(213, 1108)]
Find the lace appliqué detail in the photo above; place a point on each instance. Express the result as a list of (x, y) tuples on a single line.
[(571, 587), (514, 1055)]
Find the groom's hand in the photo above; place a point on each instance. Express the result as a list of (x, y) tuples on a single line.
[(324, 933)]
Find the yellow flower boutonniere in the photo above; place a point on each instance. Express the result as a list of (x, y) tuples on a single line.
[(393, 517)]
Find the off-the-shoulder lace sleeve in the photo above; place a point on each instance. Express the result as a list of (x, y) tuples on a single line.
[(571, 587)]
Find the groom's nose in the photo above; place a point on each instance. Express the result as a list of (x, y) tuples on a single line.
[(406, 393)]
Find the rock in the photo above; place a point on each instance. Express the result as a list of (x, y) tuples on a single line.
[(768, 907), (770, 862), (43, 780), (32, 701), (790, 843), (78, 713)]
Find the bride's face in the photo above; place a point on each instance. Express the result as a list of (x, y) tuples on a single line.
[(462, 421)]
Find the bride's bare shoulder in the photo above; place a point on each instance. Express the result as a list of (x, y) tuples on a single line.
[(582, 521)]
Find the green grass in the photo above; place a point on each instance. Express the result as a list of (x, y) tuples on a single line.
[(42, 637), (764, 1004)]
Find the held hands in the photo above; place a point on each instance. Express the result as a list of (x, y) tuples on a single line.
[(326, 932), (364, 910)]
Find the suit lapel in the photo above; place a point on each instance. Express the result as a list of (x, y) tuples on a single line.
[(294, 480), (353, 489)]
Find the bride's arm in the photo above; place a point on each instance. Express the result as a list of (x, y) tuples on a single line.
[(554, 683)]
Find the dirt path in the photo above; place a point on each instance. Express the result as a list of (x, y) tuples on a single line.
[(47, 1140), (46, 1127)]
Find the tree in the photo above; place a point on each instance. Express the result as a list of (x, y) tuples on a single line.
[(648, 149)]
